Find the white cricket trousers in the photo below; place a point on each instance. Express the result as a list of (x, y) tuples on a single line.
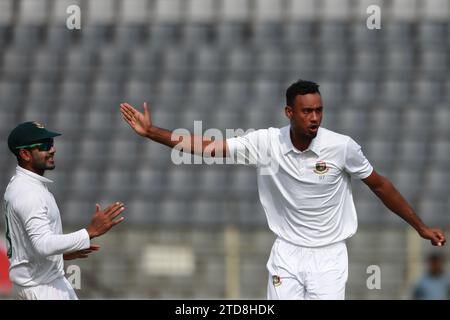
[(307, 273), (58, 289)]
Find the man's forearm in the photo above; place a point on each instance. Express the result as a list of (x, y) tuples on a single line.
[(392, 199), (187, 143)]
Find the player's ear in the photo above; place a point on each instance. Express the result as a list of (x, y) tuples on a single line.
[(24, 155), (288, 111)]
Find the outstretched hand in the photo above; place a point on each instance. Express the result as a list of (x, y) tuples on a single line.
[(81, 254), (436, 236), (140, 122), (103, 220)]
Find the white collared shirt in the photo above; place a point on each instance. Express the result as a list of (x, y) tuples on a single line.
[(34, 237), (307, 196)]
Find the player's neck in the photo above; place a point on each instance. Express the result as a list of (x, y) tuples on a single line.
[(300, 142), (30, 168)]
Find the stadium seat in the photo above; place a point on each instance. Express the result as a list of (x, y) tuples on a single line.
[(33, 12)]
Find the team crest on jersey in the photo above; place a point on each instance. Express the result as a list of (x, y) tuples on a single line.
[(39, 125), (276, 280), (321, 167)]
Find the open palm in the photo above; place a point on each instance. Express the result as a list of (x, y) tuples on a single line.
[(140, 122)]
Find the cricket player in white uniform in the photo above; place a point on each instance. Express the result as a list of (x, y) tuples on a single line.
[(304, 182), (35, 241)]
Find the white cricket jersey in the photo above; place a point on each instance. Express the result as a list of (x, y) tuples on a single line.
[(307, 196), (34, 231)]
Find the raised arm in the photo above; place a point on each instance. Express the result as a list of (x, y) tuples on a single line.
[(389, 195), (142, 124)]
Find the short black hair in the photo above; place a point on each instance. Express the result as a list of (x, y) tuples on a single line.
[(300, 87)]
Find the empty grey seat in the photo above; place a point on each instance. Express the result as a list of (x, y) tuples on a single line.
[(266, 94), (165, 119), (136, 90), (99, 123), (190, 116), (367, 62), (42, 90), (301, 60), (68, 121), (154, 154), (146, 63), (368, 210), (258, 118), (59, 38), (250, 213), (230, 34), (47, 65), (28, 36), (333, 93), (384, 122), (16, 64), (86, 182), (227, 118), (207, 212), (80, 63), (243, 184), (165, 34), (395, 92), (434, 212), (408, 182), (175, 212), (362, 92), (352, 122), (235, 93), (333, 32), (37, 111), (97, 34), (213, 181), (150, 182), (209, 61), (399, 61), (398, 32), (197, 34), (240, 62), (202, 93), (182, 181), (441, 118), (76, 211), (379, 151), (130, 35), (433, 33), (429, 91), (411, 154), (299, 32), (334, 63), (412, 120), (267, 33), (271, 63), (437, 182), (433, 63), (117, 183), (124, 152), (141, 211), (440, 149), (93, 152)]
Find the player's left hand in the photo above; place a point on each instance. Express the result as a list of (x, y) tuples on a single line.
[(436, 236), (81, 254)]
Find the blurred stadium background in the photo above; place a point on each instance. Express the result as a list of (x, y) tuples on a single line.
[(198, 231)]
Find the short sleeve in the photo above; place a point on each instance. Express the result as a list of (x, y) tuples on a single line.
[(356, 164), (248, 149)]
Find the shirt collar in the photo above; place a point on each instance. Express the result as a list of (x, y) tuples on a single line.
[(32, 175), (287, 146)]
